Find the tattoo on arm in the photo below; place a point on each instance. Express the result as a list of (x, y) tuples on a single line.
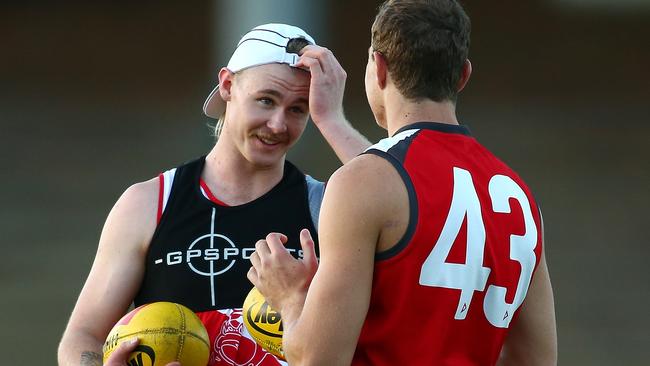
[(89, 358)]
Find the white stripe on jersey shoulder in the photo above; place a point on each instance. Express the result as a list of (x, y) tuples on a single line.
[(387, 143), (168, 181)]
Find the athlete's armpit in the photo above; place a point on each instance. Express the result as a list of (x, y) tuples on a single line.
[(89, 358)]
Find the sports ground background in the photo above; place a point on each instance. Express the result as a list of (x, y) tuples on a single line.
[(97, 95)]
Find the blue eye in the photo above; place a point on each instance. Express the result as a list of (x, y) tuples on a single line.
[(265, 101)]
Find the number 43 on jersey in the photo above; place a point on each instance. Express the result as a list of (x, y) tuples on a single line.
[(472, 276)]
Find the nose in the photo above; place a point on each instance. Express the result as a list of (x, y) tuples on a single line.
[(277, 122)]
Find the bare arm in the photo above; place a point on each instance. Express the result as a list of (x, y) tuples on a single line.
[(533, 338), (326, 103), (344, 139), (114, 277), (322, 324)]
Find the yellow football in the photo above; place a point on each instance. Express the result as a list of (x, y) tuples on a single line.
[(263, 323), (167, 331)]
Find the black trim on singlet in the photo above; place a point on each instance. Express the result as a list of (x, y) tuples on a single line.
[(413, 208), (396, 157), (437, 126)]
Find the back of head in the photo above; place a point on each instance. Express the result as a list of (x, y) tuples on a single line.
[(425, 44)]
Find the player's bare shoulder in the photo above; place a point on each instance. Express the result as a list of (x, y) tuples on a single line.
[(374, 184), (141, 194), (365, 175), (135, 212)]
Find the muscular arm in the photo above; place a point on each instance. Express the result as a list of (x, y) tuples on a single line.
[(115, 275), (322, 324), (326, 91), (344, 139), (533, 338)]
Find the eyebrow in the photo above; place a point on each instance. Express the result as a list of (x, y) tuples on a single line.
[(279, 95)]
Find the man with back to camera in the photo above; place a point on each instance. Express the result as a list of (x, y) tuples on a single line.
[(431, 249), (186, 235)]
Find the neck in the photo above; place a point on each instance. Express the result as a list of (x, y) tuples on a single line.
[(400, 111), (235, 180)]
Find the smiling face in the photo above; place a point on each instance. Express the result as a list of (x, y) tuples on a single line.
[(268, 108)]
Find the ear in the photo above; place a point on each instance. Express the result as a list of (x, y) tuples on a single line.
[(381, 69), (225, 83), (465, 73)]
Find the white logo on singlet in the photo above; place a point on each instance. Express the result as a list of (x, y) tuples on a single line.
[(210, 255)]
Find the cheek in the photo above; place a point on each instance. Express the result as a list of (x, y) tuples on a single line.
[(368, 84), (252, 117), (296, 128), (366, 76)]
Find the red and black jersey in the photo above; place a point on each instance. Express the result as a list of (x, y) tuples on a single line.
[(447, 293)]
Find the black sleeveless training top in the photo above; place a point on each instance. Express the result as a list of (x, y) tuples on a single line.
[(199, 253)]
